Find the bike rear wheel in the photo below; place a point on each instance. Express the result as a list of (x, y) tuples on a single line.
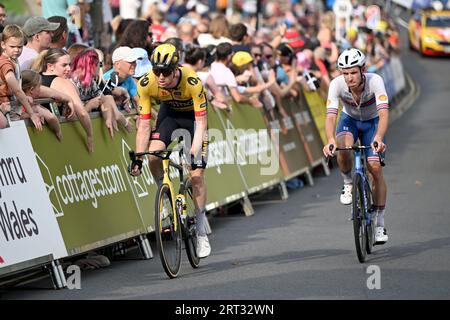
[(168, 232), (359, 223), (190, 237)]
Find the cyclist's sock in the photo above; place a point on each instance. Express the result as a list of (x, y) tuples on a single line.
[(201, 222), (347, 177), (380, 216)]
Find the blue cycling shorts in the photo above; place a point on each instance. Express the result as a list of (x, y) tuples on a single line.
[(363, 130)]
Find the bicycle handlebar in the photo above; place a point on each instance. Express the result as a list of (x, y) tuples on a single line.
[(356, 148), (163, 154)]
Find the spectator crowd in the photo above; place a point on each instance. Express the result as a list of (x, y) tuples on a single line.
[(295, 47)]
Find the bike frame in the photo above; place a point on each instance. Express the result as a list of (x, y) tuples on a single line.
[(179, 206), (361, 170)]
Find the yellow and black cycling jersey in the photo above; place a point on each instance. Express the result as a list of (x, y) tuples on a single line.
[(187, 95)]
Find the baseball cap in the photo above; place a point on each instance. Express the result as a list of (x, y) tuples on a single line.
[(37, 24), (285, 49), (292, 37), (143, 64), (124, 53), (241, 57)]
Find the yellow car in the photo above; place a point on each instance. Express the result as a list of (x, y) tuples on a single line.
[(429, 32)]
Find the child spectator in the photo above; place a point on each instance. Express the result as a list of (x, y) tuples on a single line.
[(10, 86), (31, 83)]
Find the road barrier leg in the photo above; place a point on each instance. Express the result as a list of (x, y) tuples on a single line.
[(247, 206), (144, 246), (326, 169), (283, 190), (309, 178), (61, 273), (57, 275)]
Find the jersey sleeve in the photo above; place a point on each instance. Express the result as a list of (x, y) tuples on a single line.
[(145, 97), (381, 97), (333, 97), (195, 87)]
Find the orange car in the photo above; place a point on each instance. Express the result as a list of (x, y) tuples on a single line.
[(429, 32)]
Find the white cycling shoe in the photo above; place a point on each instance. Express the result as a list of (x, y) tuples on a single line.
[(381, 236), (203, 247), (346, 195)]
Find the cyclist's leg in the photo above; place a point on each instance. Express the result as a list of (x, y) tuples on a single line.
[(379, 187), (160, 139), (198, 165), (197, 170), (369, 129), (346, 135)]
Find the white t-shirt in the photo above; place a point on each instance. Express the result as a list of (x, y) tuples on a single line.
[(129, 9), (205, 39), (222, 75), (27, 57)]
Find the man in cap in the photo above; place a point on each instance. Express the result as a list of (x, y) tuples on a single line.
[(124, 64), (39, 32)]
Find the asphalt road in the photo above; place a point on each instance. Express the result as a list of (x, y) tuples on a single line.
[(303, 248)]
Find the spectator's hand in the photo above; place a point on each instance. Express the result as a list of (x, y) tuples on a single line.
[(255, 102), (85, 34), (126, 99), (36, 119), (5, 107), (243, 78), (69, 110), (94, 103), (282, 29), (219, 105), (272, 77)]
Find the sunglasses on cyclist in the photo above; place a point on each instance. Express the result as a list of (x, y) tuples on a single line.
[(164, 72)]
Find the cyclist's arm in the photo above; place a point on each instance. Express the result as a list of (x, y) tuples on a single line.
[(198, 94), (382, 124), (382, 103), (145, 104), (332, 111)]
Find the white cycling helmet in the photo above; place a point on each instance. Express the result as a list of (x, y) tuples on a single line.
[(351, 58)]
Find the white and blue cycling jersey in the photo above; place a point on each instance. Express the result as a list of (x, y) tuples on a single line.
[(358, 120)]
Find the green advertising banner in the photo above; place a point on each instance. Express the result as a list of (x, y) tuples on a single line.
[(91, 194), (307, 129), (318, 109), (222, 175), (293, 157), (251, 143)]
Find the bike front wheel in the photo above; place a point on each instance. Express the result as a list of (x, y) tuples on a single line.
[(168, 232), (371, 225), (190, 237), (359, 223)]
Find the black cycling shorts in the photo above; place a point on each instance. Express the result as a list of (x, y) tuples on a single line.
[(172, 124)]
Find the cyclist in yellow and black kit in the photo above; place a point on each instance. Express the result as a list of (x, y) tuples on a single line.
[(183, 103)]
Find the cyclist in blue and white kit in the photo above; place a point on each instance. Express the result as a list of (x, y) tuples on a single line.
[(365, 115)]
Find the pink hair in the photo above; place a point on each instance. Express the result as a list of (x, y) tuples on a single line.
[(84, 65)]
